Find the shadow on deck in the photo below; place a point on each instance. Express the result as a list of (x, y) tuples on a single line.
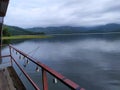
[(10, 80)]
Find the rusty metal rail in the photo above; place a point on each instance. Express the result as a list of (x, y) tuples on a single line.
[(45, 70), (27, 76), (5, 56)]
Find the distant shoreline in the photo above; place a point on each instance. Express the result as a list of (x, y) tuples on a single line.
[(52, 35), (87, 33), (26, 37)]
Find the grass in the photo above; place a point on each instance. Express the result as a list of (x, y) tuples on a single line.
[(26, 37)]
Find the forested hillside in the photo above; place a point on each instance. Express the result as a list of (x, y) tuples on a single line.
[(13, 30)]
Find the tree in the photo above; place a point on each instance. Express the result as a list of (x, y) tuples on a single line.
[(6, 32)]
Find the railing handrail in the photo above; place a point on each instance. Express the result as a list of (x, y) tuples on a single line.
[(57, 75)]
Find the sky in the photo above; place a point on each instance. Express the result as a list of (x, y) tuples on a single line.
[(46, 13)]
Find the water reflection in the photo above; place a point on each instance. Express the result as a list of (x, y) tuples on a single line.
[(92, 63)]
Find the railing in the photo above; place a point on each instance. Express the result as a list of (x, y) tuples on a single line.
[(45, 69)]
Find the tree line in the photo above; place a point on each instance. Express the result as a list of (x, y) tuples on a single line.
[(6, 32)]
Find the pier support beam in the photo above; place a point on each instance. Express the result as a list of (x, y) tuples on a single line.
[(3, 10), (1, 23)]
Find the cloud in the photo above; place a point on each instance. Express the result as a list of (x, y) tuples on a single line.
[(30, 13)]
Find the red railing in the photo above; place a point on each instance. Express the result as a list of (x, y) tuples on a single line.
[(45, 69)]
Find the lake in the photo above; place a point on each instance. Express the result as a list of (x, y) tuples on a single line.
[(92, 61)]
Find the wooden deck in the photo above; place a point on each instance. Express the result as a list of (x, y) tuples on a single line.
[(9, 80)]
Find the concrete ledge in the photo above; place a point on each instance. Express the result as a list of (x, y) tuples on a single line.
[(16, 80), (10, 80)]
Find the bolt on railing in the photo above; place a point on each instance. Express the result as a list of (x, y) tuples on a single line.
[(45, 70)]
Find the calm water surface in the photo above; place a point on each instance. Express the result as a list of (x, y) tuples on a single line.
[(93, 62)]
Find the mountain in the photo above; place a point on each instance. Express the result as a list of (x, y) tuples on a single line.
[(68, 29), (58, 30), (19, 31), (107, 28), (63, 29)]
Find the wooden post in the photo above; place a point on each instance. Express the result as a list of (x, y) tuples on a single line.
[(0, 34), (1, 23)]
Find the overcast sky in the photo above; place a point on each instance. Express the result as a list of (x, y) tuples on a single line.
[(44, 13)]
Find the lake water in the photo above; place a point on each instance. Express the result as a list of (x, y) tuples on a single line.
[(92, 61)]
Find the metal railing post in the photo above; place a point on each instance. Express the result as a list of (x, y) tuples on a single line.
[(44, 80), (10, 55)]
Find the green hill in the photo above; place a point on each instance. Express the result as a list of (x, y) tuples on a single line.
[(69, 29), (13, 30)]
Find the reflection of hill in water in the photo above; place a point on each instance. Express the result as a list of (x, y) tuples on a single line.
[(67, 38), (85, 36), (14, 41)]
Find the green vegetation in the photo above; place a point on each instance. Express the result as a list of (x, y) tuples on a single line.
[(6, 32), (16, 30), (13, 30), (26, 37)]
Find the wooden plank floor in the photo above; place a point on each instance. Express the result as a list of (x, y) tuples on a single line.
[(9, 80)]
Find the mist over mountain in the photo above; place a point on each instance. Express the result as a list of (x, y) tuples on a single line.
[(14, 30), (69, 29)]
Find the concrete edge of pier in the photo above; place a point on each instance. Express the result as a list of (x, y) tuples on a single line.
[(10, 80)]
